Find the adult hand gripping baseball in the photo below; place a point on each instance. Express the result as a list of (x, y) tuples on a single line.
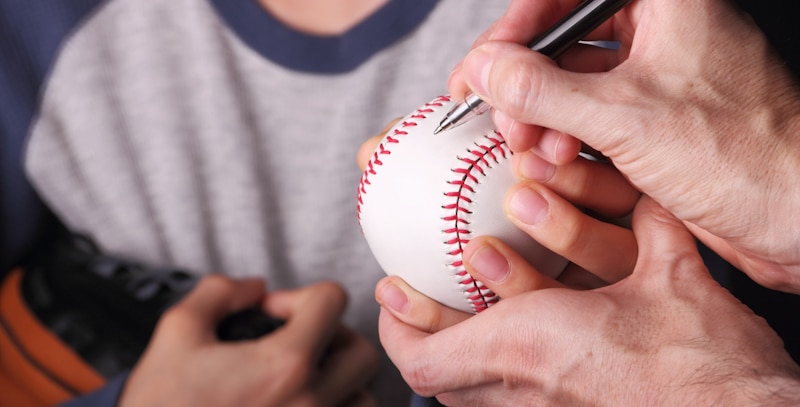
[(666, 335), (695, 109), (576, 213), (312, 360)]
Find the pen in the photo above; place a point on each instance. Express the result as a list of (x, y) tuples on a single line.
[(552, 43)]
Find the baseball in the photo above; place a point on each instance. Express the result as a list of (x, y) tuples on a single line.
[(422, 197)]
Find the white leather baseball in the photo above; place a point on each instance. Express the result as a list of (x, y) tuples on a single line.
[(422, 197)]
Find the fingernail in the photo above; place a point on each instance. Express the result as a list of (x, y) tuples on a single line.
[(453, 71), (502, 123), (476, 70), (528, 206), (533, 167), (393, 297), (490, 263)]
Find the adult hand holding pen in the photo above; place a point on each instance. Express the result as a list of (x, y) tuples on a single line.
[(673, 110), (695, 109), (553, 42)]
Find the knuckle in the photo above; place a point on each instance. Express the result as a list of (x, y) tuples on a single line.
[(173, 316), (417, 377), (517, 91), (434, 321), (584, 179), (215, 283), (571, 235), (333, 293), (297, 370), (174, 321)]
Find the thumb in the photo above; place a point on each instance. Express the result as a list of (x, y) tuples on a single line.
[(216, 297), (530, 88), (367, 149), (666, 247)]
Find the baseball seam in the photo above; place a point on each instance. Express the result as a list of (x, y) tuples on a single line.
[(385, 147), (477, 161)]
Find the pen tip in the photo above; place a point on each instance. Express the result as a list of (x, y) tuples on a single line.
[(437, 130)]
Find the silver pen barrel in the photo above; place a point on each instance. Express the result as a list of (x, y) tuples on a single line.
[(462, 112)]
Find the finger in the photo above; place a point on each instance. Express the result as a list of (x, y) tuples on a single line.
[(554, 146), (455, 82), (660, 231), (519, 136), (667, 251), (578, 278), (213, 298), (415, 308), (405, 346), (368, 147), (524, 21), (586, 183), (351, 363), (501, 269), (312, 315), (388, 126), (448, 360), (366, 150), (519, 24), (607, 250), (456, 86), (529, 88)]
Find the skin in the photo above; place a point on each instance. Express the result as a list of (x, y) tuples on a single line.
[(708, 132), (667, 335), (708, 128), (313, 360), (185, 365), (601, 247), (322, 17)]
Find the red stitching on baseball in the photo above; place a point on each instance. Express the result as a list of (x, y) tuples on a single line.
[(466, 173), (481, 159), (384, 147), (462, 184), (456, 218), (476, 163)]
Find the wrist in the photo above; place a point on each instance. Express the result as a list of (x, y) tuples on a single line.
[(775, 391), (772, 391), (770, 195), (780, 241)]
